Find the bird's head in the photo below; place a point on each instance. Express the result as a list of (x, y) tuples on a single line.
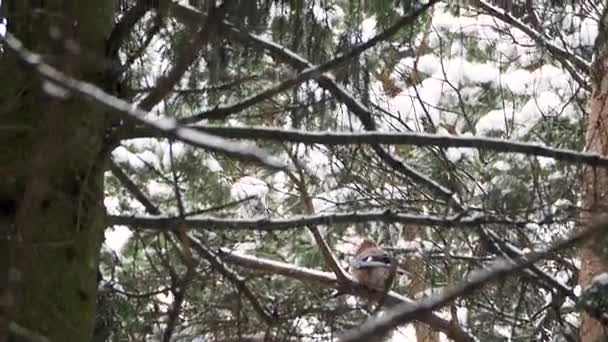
[(366, 244)]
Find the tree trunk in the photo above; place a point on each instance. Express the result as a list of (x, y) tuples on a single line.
[(51, 172), (595, 181)]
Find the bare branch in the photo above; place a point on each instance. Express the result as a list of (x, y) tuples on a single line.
[(407, 313), (167, 126), (26, 334), (190, 15), (265, 224), (121, 30)]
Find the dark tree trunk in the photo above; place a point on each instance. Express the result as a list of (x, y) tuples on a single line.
[(52, 161)]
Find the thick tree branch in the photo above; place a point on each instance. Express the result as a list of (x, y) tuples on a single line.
[(265, 224), (407, 313), (393, 138), (167, 126), (327, 279)]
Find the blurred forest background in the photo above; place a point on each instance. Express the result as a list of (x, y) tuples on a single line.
[(201, 170)]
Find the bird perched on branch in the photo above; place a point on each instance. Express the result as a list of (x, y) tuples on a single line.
[(373, 267)]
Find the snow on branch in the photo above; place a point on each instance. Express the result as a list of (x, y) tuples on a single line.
[(405, 313), (266, 224), (562, 55), (166, 126), (405, 138), (328, 279)]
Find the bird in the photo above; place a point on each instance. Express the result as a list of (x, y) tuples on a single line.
[(372, 266)]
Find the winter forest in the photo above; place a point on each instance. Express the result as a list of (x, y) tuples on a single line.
[(305, 170)]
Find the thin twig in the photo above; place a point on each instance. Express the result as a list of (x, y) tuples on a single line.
[(233, 277)]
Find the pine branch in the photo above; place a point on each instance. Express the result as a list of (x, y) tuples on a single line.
[(121, 30), (309, 72), (23, 334), (186, 56), (233, 277), (133, 189)]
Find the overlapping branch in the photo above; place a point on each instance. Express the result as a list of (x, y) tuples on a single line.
[(167, 127), (198, 246), (133, 189), (310, 71), (232, 276), (186, 56), (327, 279), (405, 313), (285, 55), (122, 29)]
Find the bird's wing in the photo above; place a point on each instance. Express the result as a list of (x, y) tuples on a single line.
[(376, 260)]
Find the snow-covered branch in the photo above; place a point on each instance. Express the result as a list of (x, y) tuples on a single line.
[(265, 224), (405, 138), (167, 126), (185, 56), (190, 15)]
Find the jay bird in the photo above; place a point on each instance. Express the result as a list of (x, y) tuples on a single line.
[(372, 267)]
